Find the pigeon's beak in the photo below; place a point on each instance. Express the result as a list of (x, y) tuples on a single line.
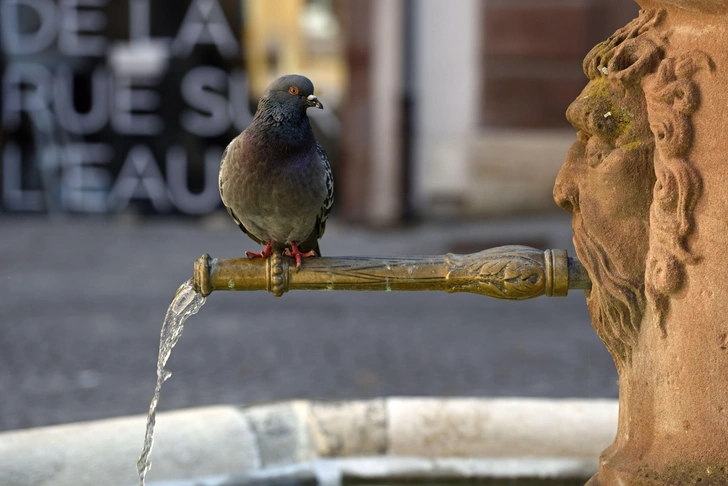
[(313, 101)]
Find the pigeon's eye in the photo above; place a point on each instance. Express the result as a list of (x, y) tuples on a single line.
[(293, 90)]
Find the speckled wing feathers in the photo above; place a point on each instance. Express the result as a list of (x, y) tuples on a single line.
[(329, 201)]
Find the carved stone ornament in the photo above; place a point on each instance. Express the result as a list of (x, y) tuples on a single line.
[(607, 180), (646, 182), (641, 128), (672, 99)]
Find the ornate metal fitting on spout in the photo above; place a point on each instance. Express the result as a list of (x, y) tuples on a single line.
[(506, 272)]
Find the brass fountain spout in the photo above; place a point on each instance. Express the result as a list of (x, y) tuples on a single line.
[(506, 272)]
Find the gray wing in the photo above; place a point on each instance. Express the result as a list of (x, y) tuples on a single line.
[(231, 151), (329, 201), (311, 242)]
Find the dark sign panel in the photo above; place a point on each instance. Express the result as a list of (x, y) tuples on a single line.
[(108, 104)]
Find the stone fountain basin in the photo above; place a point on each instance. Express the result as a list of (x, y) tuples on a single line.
[(326, 442)]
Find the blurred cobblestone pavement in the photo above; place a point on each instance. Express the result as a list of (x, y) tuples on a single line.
[(82, 300)]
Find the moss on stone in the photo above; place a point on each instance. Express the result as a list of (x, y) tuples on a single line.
[(604, 100)]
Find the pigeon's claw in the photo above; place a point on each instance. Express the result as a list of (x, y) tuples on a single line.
[(263, 254), (296, 253)]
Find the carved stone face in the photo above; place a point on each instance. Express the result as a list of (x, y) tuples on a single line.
[(608, 176), (606, 182)]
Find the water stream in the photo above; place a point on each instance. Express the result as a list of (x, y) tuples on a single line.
[(185, 303)]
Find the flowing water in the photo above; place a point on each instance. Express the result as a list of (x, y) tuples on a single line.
[(185, 303)]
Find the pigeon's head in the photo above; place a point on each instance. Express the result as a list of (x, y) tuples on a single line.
[(293, 89)]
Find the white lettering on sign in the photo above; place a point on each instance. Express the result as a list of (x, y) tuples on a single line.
[(16, 13), (130, 103), (202, 89), (85, 184), (73, 21), (139, 20), (183, 199), (238, 106), (67, 116), (14, 196), (76, 94), (27, 88), (88, 186), (205, 23), (139, 178)]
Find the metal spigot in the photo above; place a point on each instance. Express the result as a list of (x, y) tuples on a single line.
[(506, 272)]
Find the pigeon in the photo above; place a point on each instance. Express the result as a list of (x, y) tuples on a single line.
[(275, 178)]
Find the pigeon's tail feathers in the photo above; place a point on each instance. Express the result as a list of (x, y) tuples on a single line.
[(310, 243)]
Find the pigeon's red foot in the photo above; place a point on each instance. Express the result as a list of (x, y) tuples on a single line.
[(296, 253), (263, 254)]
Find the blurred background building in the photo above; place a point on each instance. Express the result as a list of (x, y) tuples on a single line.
[(441, 111), (435, 108)]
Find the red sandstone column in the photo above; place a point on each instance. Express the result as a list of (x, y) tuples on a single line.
[(647, 182)]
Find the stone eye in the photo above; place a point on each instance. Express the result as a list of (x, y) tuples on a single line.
[(293, 90)]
